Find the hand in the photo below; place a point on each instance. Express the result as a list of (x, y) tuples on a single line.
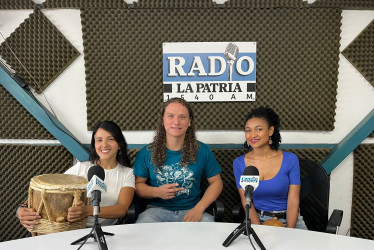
[(79, 212), (28, 217), (194, 215), (168, 191)]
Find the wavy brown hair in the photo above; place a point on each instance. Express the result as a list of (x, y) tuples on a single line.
[(158, 146)]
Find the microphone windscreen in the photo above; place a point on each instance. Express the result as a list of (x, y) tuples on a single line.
[(251, 170), (96, 170)]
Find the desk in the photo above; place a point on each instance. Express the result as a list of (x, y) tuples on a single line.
[(193, 236)]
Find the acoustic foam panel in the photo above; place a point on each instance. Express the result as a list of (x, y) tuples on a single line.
[(360, 52), (41, 48), (297, 63), (265, 3), (16, 4), (173, 4), (16, 122), (20, 164), (121, 4), (362, 219), (346, 4)]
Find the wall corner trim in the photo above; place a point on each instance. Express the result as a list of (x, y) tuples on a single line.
[(54, 126), (349, 143)]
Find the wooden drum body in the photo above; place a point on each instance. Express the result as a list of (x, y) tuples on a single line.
[(273, 222), (51, 195)]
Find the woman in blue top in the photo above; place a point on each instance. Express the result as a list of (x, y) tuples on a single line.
[(278, 193)]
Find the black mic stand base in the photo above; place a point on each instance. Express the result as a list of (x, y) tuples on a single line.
[(242, 229), (98, 234)]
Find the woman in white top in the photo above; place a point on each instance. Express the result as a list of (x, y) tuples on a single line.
[(108, 150)]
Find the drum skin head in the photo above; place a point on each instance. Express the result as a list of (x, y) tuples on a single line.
[(59, 181)]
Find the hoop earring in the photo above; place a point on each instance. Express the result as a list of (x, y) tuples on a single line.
[(270, 141)]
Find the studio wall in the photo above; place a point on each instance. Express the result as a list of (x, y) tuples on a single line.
[(105, 62)]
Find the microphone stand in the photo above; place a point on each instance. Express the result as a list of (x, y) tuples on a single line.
[(96, 233), (244, 227)]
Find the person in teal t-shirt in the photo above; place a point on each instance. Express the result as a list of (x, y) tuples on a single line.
[(169, 170)]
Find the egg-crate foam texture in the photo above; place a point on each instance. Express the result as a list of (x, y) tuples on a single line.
[(16, 4), (297, 63), (360, 52), (16, 122), (19, 164), (78, 4), (173, 4), (345, 4), (362, 217), (41, 48), (264, 3)]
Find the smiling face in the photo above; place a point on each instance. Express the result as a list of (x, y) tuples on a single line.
[(257, 132), (176, 120), (105, 145)]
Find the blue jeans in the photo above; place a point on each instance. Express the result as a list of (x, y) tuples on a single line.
[(300, 224), (160, 214)]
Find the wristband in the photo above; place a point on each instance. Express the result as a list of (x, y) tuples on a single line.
[(22, 205)]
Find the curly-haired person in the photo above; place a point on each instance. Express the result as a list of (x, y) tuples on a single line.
[(169, 170), (278, 193)]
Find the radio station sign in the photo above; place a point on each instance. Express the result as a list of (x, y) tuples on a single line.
[(210, 71)]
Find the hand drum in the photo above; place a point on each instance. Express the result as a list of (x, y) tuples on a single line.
[(51, 195)]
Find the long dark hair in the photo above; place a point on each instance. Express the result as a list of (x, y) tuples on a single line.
[(272, 119), (158, 146), (116, 132)]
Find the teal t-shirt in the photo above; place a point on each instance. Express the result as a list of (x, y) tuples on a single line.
[(171, 172)]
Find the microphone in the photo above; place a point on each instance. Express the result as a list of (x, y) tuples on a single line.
[(249, 182), (96, 185), (231, 53)]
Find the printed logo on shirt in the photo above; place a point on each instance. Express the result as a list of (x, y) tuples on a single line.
[(175, 174)]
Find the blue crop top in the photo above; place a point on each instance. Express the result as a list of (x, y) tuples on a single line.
[(271, 195)]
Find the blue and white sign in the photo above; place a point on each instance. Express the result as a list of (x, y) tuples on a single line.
[(210, 71)]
